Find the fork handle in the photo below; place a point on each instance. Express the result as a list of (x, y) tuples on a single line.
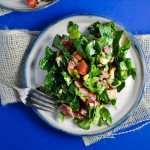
[(10, 85)]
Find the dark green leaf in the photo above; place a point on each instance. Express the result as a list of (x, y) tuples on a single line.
[(85, 124), (65, 37), (75, 104), (89, 49), (104, 96), (67, 78), (120, 87), (73, 30), (78, 45), (116, 46), (93, 29), (105, 116), (96, 115)]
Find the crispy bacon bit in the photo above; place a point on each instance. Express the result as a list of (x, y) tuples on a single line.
[(66, 110), (77, 55), (105, 73), (83, 111), (80, 113), (107, 49), (32, 3), (112, 93), (71, 65), (82, 67), (67, 44), (104, 83), (75, 60), (92, 102), (111, 60), (83, 90), (78, 83), (98, 35)]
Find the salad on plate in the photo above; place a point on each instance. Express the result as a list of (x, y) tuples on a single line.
[(34, 3), (86, 72)]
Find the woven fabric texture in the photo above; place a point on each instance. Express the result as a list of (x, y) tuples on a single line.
[(14, 46), (4, 11)]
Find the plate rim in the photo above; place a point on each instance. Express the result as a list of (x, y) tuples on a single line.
[(139, 49), (27, 10)]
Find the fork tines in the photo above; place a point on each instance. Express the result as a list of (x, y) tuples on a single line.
[(39, 100)]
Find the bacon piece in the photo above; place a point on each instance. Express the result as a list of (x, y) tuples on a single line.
[(83, 90), (75, 60), (78, 83), (98, 35), (32, 3), (112, 93), (104, 83), (77, 55), (67, 44), (105, 73), (83, 111), (78, 115), (66, 110), (107, 49), (92, 102), (82, 67), (71, 65), (111, 60)]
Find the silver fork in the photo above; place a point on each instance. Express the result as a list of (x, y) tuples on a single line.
[(34, 98)]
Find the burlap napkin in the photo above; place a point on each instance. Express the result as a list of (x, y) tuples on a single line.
[(15, 44)]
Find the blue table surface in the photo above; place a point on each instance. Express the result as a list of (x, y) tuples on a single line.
[(20, 127)]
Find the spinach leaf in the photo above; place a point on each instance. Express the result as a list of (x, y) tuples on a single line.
[(111, 24), (50, 80), (100, 43), (47, 62), (123, 51), (76, 74), (100, 88), (132, 72), (93, 29), (67, 78), (89, 37), (96, 115), (104, 96), (90, 83), (94, 71), (75, 104), (85, 123), (105, 116), (120, 87), (78, 45), (116, 46), (61, 116), (73, 30), (57, 42), (65, 37), (115, 82), (105, 31), (90, 50)]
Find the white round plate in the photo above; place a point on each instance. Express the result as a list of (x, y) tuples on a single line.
[(22, 5), (127, 100)]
